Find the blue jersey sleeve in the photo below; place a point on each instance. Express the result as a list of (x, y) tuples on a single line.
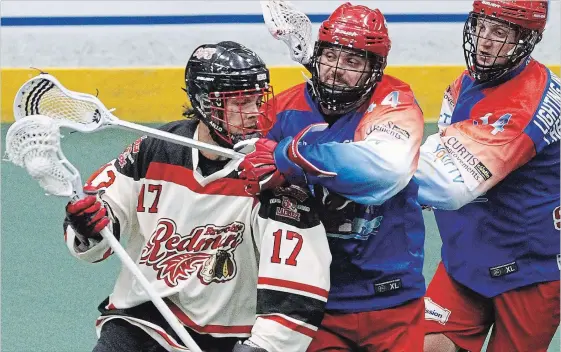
[(378, 164)]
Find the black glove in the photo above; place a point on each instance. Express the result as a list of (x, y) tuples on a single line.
[(331, 201), (87, 216), (247, 346)]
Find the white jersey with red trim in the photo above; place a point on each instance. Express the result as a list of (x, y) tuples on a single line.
[(229, 265)]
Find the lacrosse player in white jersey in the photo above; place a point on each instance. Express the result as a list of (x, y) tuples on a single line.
[(230, 266)]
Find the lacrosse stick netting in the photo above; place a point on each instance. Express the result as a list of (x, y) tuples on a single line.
[(292, 26), (34, 144), (45, 95)]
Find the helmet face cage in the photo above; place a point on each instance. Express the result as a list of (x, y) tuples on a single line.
[(228, 86), (498, 65), (232, 123), (339, 98)]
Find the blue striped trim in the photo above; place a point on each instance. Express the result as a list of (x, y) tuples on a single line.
[(201, 19)]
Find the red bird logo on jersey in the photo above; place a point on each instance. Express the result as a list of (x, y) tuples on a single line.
[(207, 251)]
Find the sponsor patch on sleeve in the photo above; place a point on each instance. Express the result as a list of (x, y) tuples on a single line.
[(390, 129), (473, 171), (483, 171)]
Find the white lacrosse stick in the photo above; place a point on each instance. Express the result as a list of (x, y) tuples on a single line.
[(285, 22), (45, 95), (34, 144)]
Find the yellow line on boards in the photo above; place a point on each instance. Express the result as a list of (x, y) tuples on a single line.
[(154, 95)]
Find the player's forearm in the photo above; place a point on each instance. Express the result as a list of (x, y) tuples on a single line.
[(368, 172), (441, 184)]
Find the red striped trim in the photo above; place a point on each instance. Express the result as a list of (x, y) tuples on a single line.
[(295, 156), (183, 176), (106, 184), (292, 326), (169, 339), (209, 329), (107, 253), (293, 285)]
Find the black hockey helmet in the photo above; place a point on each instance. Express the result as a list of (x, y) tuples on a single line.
[(217, 74)]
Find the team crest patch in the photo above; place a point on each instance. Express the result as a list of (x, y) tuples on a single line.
[(288, 209), (208, 252), (436, 312)]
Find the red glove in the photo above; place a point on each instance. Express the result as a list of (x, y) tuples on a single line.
[(258, 167), (88, 215)]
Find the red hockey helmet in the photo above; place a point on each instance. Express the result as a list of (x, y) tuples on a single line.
[(530, 15), (358, 30), (358, 27), (526, 18)]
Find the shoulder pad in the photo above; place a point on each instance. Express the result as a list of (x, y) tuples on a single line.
[(293, 98)]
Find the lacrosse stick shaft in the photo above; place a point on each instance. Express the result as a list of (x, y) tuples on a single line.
[(156, 299), (188, 142), (34, 144)]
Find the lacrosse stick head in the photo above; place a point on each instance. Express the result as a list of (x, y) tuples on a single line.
[(34, 144), (285, 22), (45, 95), (353, 45)]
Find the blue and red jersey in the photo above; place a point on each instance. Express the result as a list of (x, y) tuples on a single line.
[(492, 172), (377, 241)]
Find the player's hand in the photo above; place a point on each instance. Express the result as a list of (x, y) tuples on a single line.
[(292, 162), (258, 167), (87, 216), (247, 346), (331, 201)]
